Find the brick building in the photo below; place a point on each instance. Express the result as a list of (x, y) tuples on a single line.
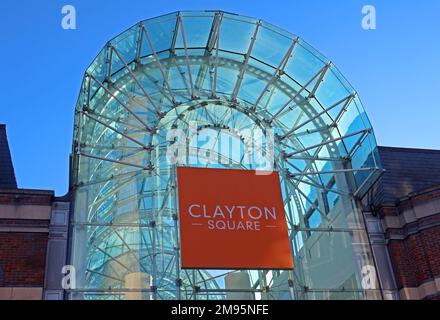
[(406, 204), (33, 236), (402, 213)]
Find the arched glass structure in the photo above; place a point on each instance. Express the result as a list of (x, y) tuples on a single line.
[(218, 70)]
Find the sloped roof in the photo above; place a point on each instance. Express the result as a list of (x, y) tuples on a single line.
[(407, 171), (7, 174)]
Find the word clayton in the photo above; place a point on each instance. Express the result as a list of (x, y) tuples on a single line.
[(233, 217)]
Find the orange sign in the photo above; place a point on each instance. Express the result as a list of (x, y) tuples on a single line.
[(232, 219)]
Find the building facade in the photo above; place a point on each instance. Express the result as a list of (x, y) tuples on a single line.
[(362, 219), (33, 236), (404, 211)]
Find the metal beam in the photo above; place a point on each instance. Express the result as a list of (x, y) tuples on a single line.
[(327, 142), (356, 144), (217, 50), (159, 64), (135, 79), (117, 120), (210, 44), (347, 101), (114, 161), (320, 187), (293, 175), (245, 63), (121, 103), (318, 83), (131, 174), (312, 204), (212, 40), (112, 258), (315, 158), (298, 94), (279, 70), (116, 130), (311, 178), (193, 93)]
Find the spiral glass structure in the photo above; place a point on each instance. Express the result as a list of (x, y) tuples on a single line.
[(219, 71)]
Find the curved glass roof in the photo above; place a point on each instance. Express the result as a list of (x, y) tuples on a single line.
[(220, 70)]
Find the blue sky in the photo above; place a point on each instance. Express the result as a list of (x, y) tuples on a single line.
[(395, 68)]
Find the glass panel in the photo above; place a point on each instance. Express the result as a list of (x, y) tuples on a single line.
[(235, 35), (277, 43), (303, 66), (334, 260), (197, 30)]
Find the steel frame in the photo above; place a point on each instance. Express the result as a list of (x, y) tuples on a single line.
[(163, 185)]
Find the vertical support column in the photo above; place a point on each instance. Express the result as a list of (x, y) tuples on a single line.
[(292, 285), (137, 281), (80, 241), (78, 219), (176, 233), (154, 233), (56, 257), (238, 281), (381, 256)]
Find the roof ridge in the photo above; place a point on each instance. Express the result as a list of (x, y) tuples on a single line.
[(406, 149)]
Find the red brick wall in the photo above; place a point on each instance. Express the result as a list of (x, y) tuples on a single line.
[(22, 258), (416, 259)]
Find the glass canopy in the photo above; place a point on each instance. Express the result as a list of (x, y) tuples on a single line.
[(220, 71)]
